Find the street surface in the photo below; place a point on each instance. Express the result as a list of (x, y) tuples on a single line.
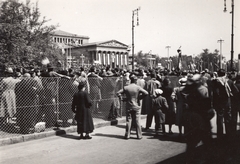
[(106, 147)]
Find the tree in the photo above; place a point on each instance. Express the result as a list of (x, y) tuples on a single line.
[(210, 60), (141, 59), (24, 38)]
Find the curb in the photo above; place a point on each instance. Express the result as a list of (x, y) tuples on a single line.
[(72, 129)]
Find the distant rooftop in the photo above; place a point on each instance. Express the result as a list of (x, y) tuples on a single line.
[(63, 33), (102, 42)]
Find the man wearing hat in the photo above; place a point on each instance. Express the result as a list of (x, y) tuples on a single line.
[(133, 93), (196, 118), (180, 99)]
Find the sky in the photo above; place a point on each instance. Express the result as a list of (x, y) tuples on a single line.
[(192, 24)]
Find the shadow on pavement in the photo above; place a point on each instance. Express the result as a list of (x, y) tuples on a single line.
[(172, 137), (121, 126), (109, 135), (70, 136), (217, 153)]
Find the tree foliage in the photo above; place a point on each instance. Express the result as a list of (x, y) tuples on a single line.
[(24, 38), (141, 59), (209, 60)]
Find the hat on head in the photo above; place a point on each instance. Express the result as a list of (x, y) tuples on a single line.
[(133, 78), (27, 75), (110, 73), (221, 72), (81, 84), (9, 70), (194, 79), (182, 81), (158, 91)]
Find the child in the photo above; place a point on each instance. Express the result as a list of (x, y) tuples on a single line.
[(160, 107)]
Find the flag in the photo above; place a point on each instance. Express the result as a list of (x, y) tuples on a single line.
[(179, 58), (180, 63)]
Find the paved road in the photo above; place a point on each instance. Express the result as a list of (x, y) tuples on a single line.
[(106, 147)]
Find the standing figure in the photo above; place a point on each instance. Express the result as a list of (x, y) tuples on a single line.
[(95, 85), (160, 107), (151, 85), (167, 92), (180, 99), (8, 98), (222, 103), (236, 111), (108, 85), (65, 94), (80, 105), (133, 93), (197, 117), (26, 95)]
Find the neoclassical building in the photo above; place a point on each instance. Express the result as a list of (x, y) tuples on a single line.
[(107, 53), (63, 38), (79, 52)]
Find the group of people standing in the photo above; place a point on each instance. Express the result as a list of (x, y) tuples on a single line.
[(190, 105)]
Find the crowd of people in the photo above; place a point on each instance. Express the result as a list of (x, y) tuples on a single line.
[(190, 104)]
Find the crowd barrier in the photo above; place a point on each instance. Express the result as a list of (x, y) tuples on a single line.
[(31, 105)]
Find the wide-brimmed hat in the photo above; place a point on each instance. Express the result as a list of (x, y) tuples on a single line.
[(182, 81), (158, 91), (194, 79), (9, 70)]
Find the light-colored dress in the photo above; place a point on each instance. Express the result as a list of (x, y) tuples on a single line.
[(8, 100)]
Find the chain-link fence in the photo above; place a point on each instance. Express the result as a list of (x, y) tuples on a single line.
[(29, 105)]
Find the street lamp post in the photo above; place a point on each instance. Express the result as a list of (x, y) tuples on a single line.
[(170, 64), (232, 34), (168, 56), (134, 12), (220, 57)]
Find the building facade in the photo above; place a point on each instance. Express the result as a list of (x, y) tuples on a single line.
[(79, 52)]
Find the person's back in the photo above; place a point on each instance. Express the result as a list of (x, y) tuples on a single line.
[(152, 85), (132, 92)]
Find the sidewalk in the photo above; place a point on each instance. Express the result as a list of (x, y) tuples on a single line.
[(60, 131)]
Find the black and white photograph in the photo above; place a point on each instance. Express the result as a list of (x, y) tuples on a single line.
[(120, 81)]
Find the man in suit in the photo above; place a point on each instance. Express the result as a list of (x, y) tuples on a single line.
[(133, 93), (151, 85)]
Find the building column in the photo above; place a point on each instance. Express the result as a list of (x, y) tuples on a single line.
[(126, 61), (112, 60), (99, 57), (108, 58), (121, 60), (104, 58), (117, 59)]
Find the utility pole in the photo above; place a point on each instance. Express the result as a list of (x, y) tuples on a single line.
[(232, 34), (220, 57), (168, 56), (134, 12)]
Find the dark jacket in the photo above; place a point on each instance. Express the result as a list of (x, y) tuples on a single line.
[(80, 105)]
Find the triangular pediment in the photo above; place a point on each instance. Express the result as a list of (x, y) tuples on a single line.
[(113, 43)]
